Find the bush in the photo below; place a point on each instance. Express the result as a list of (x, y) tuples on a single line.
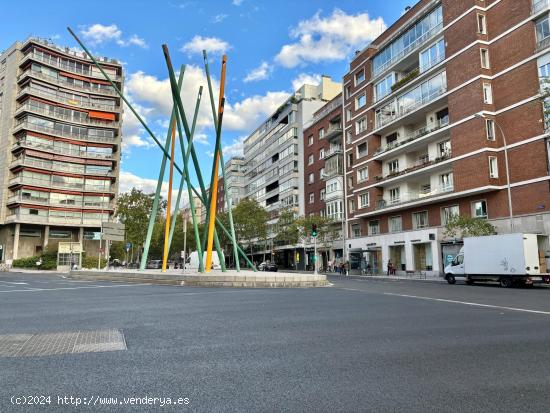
[(90, 262), (49, 261)]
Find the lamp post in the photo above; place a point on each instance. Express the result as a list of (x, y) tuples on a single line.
[(508, 187), (185, 217)]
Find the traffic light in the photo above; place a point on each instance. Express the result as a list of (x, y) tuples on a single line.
[(314, 230)]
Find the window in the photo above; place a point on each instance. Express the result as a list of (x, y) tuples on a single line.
[(364, 200), (374, 227), (321, 133), (395, 224), (447, 213), (322, 154), (311, 198), (349, 137), (490, 127), (395, 194), (348, 114), (479, 209), (432, 55), (321, 173), (362, 150), (481, 24), (310, 140), (322, 194), (356, 230), (351, 205), (393, 166), (487, 93), (359, 77), (446, 182), (348, 92), (543, 29), (360, 126), (311, 178), (493, 167), (362, 175), (444, 148), (383, 88), (350, 159), (350, 179), (310, 159), (420, 220), (485, 64), (360, 101)]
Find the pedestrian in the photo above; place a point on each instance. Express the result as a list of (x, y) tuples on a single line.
[(390, 267), (368, 269), (346, 266)]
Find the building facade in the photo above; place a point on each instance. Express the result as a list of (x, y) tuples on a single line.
[(60, 136), (234, 181), (274, 165), (430, 107), (324, 166)]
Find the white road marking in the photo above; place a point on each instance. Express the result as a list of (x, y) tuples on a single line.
[(71, 288), (12, 282), (524, 310)]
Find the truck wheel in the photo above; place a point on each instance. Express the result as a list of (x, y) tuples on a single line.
[(505, 282), (450, 279)]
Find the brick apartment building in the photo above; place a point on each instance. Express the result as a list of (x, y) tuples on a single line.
[(427, 107), (324, 174), (60, 136)]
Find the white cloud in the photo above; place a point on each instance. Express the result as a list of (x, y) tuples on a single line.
[(305, 78), (211, 44), (218, 18), (260, 73), (244, 115), (98, 34), (237, 2), (236, 148), (128, 180), (329, 38), (201, 138)]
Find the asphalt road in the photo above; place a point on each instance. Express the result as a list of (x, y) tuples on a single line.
[(358, 346)]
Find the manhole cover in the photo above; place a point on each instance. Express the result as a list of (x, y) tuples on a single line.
[(45, 344)]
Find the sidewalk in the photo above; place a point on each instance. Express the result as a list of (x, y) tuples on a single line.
[(384, 277)]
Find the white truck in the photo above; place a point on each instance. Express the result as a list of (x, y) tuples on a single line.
[(508, 259)]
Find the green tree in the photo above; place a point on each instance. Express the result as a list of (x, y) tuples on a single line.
[(134, 209), (461, 226), (287, 230), (250, 221)]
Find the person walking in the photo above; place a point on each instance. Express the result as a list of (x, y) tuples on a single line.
[(390, 267)]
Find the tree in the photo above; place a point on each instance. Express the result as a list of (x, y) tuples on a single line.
[(250, 222), (288, 231), (461, 226), (134, 209)]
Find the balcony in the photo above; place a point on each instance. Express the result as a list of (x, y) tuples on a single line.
[(26, 107), (49, 166), (58, 81), (333, 131), (540, 5), (419, 133), (67, 68), (48, 183), (63, 151), (335, 150), (543, 44), (409, 197), (411, 107), (409, 49), (333, 167), (30, 90), (57, 220), (416, 166), (20, 199)]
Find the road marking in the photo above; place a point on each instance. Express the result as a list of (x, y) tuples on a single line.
[(524, 310), (12, 282), (71, 288)]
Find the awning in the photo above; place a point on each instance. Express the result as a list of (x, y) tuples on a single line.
[(102, 115)]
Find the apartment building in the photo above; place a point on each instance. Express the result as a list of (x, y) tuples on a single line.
[(324, 167), (234, 180), (273, 156), (431, 108), (60, 135)]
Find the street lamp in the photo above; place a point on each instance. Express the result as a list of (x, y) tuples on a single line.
[(508, 187)]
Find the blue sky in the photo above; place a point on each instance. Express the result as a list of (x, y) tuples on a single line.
[(272, 47)]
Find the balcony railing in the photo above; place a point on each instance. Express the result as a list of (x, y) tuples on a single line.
[(539, 5), (64, 83), (22, 217), (543, 44), (65, 167), (420, 164), (81, 187), (71, 152), (66, 101), (56, 115), (20, 199), (332, 131), (68, 68), (413, 46), (431, 64), (404, 110), (335, 150), (408, 197), (419, 133)]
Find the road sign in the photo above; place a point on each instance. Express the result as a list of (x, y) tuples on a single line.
[(112, 231)]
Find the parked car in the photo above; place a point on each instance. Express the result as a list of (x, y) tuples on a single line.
[(154, 264), (268, 266)]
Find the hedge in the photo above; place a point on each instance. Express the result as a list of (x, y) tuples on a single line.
[(49, 261)]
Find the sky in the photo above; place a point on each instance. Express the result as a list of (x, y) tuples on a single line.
[(273, 47)]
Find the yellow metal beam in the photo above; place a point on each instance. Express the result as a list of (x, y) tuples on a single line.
[(169, 206)]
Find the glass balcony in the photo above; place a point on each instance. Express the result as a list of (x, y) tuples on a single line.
[(25, 125), (334, 130), (48, 183), (539, 5), (408, 197), (57, 97), (58, 220), (29, 199), (23, 143), (27, 107)]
